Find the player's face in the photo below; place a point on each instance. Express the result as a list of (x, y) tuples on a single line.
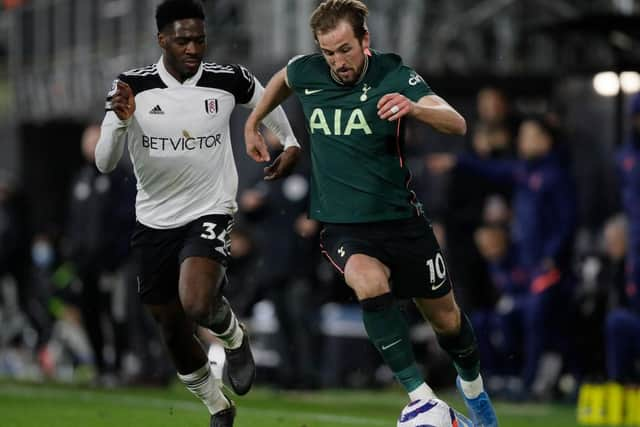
[(184, 43), (344, 53)]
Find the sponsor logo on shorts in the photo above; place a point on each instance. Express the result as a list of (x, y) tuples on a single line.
[(436, 287)]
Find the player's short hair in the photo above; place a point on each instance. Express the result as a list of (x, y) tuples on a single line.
[(330, 12), (170, 11)]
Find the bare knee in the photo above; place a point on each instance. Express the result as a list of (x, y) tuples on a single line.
[(446, 322), (367, 276), (443, 314), (197, 306)]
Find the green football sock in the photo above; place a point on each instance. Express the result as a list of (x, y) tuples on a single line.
[(389, 333), (463, 349)]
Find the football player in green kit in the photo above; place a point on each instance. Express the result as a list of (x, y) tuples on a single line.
[(355, 101)]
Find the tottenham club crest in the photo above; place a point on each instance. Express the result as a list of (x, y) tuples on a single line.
[(211, 106)]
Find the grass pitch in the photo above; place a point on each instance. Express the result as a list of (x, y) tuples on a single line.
[(37, 405)]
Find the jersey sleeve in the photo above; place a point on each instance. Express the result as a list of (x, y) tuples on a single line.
[(243, 85), (414, 85), (294, 70)]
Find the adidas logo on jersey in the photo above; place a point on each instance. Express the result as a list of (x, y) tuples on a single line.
[(156, 110)]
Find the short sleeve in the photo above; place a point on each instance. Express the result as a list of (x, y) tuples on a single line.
[(293, 67), (414, 85)]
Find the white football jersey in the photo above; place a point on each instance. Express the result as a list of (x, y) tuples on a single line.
[(179, 141)]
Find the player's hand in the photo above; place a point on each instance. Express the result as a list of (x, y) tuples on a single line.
[(392, 106), (123, 102), (255, 145), (440, 163), (283, 164)]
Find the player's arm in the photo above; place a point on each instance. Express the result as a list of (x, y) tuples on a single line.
[(113, 131), (276, 120), (430, 109), (274, 94)]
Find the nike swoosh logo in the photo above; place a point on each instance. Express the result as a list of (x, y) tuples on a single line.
[(311, 92), (435, 288), (384, 347)]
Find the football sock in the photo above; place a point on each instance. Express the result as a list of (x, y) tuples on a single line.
[(389, 333), (472, 389), (463, 349), (203, 384), (423, 392), (225, 325)]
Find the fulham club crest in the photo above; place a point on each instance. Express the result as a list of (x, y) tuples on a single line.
[(211, 106)]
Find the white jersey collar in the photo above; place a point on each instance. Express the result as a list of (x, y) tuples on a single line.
[(171, 81)]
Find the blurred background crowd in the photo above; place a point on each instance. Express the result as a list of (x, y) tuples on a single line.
[(537, 208)]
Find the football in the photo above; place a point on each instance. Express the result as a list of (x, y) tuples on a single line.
[(428, 413)]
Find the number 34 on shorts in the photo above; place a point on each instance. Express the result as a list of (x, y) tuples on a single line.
[(219, 235)]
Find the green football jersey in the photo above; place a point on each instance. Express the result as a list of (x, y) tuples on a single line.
[(358, 173)]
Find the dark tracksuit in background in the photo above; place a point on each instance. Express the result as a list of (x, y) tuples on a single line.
[(101, 217), (285, 274), (623, 324), (544, 221)]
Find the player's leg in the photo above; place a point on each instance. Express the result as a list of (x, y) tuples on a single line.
[(202, 276), (385, 324), (454, 331), (190, 359), (420, 272), (455, 336), (200, 292), (352, 251), (156, 254)]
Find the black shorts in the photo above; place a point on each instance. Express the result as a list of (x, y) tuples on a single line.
[(159, 253), (408, 247)]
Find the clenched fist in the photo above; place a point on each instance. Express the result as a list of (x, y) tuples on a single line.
[(123, 102)]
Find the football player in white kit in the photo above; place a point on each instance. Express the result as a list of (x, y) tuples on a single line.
[(174, 115)]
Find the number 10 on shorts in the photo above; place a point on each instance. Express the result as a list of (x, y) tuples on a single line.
[(437, 271)]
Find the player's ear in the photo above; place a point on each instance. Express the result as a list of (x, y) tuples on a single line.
[(162, 40), (366, 41)]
